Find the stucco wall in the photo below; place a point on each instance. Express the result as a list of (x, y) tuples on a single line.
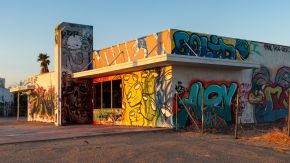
[(42, 101), (263, 93), (74, 46), (265, 89), (220, 89), (144, 47), (212, 46), (146, 99)]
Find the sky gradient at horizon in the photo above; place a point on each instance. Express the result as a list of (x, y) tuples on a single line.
[(27, 27)]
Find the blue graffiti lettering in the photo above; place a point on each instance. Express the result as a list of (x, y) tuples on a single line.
[(218, 104), (209, 46)]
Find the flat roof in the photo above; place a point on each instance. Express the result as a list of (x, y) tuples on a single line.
[(201, 33), (165, 60), (23, 88)]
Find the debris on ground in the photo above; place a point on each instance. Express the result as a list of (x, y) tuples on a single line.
[(278, 139), (275, 136)]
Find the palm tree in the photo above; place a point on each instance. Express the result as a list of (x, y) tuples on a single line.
[(44, 62)]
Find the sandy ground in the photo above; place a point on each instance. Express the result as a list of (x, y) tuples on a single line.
[(152, 146), (12, 131), (163, 146)]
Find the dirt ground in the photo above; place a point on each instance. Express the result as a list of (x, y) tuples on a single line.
[(161, 146), (118, 144)]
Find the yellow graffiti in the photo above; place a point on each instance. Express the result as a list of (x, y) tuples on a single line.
[(267, 95), (139, 99), (255, 99), (140, 104)]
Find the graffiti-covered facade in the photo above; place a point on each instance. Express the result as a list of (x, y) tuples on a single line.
[(262, 92), (163, 79), (42, 101), (145, 99), (74, 45)]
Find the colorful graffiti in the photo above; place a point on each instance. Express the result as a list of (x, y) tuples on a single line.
[(41, 104), (145, 97), (76, 48), (245, 88), (164, 95), (270, 98), (146, 100), (244, 104), (144, 47), (210, 46), (76, 100), (218, 103), (107, 116), (77, 45)]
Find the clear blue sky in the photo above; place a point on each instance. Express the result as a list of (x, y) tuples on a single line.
[(27, 26)]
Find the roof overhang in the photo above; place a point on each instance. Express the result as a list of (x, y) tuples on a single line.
[(24, 88), (164, 60)]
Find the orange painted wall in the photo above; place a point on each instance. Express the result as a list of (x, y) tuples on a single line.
[(148, 46)]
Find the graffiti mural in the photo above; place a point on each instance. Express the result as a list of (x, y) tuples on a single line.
[(41, 104), (244, 104), (164, 95), (151, 45), (76, 45), (76, 100), (107, 116), (218, 103), (146, 96), (270, 96), (146, 100), (210, 46)]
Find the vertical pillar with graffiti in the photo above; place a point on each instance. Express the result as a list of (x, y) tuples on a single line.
[(73, 49)]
